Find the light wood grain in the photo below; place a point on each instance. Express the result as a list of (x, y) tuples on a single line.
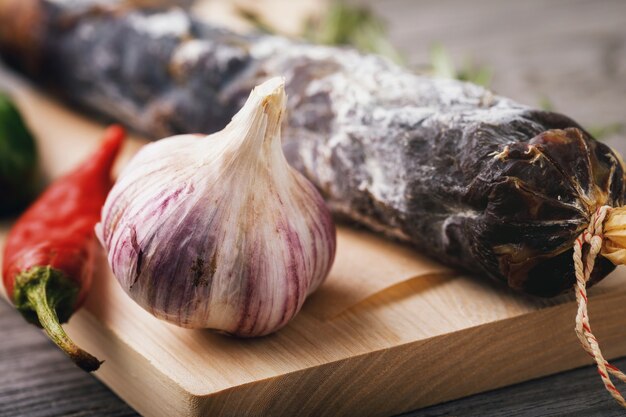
[(443, 336)]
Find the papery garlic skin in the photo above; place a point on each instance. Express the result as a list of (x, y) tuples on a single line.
[(220, 232)]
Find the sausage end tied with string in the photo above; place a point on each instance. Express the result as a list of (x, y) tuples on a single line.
[(606, 236)]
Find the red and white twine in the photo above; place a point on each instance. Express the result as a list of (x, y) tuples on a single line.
[(593, 237)]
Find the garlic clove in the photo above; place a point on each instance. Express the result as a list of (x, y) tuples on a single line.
[(219, 231)]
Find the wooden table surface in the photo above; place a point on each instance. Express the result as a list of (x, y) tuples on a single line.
[(572, 52)]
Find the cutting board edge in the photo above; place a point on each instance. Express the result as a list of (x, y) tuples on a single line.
[(570, 357), (128, 378), (317, 384)]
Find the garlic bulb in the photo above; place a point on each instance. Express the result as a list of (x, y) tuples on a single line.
[(219, 231)]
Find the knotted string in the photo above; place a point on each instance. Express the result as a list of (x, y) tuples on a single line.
[(593, 237)]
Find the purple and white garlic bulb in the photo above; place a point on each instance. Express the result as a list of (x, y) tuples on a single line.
[(219, 231)]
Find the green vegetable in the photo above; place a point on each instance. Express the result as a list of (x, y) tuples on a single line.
[(346, 24), (442, 66), (18, 159), (599, 132), (255, 20), (546, 104), (605, 131), (342, 24)]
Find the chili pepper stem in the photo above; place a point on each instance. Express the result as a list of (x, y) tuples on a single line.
[(44, 291)]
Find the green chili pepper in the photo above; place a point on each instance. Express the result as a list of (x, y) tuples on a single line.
[(18, 159)]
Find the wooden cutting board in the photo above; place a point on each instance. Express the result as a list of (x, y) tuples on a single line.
[(390, 331)]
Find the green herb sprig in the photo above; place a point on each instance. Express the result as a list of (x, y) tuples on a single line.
[(599, 132), (342, 24), (357, 26), (442, 66)]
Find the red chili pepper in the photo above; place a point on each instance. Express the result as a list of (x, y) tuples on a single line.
[(50, 251)]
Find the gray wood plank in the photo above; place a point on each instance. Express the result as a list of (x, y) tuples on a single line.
[(572, 51), (36, 379), (574, 393)]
